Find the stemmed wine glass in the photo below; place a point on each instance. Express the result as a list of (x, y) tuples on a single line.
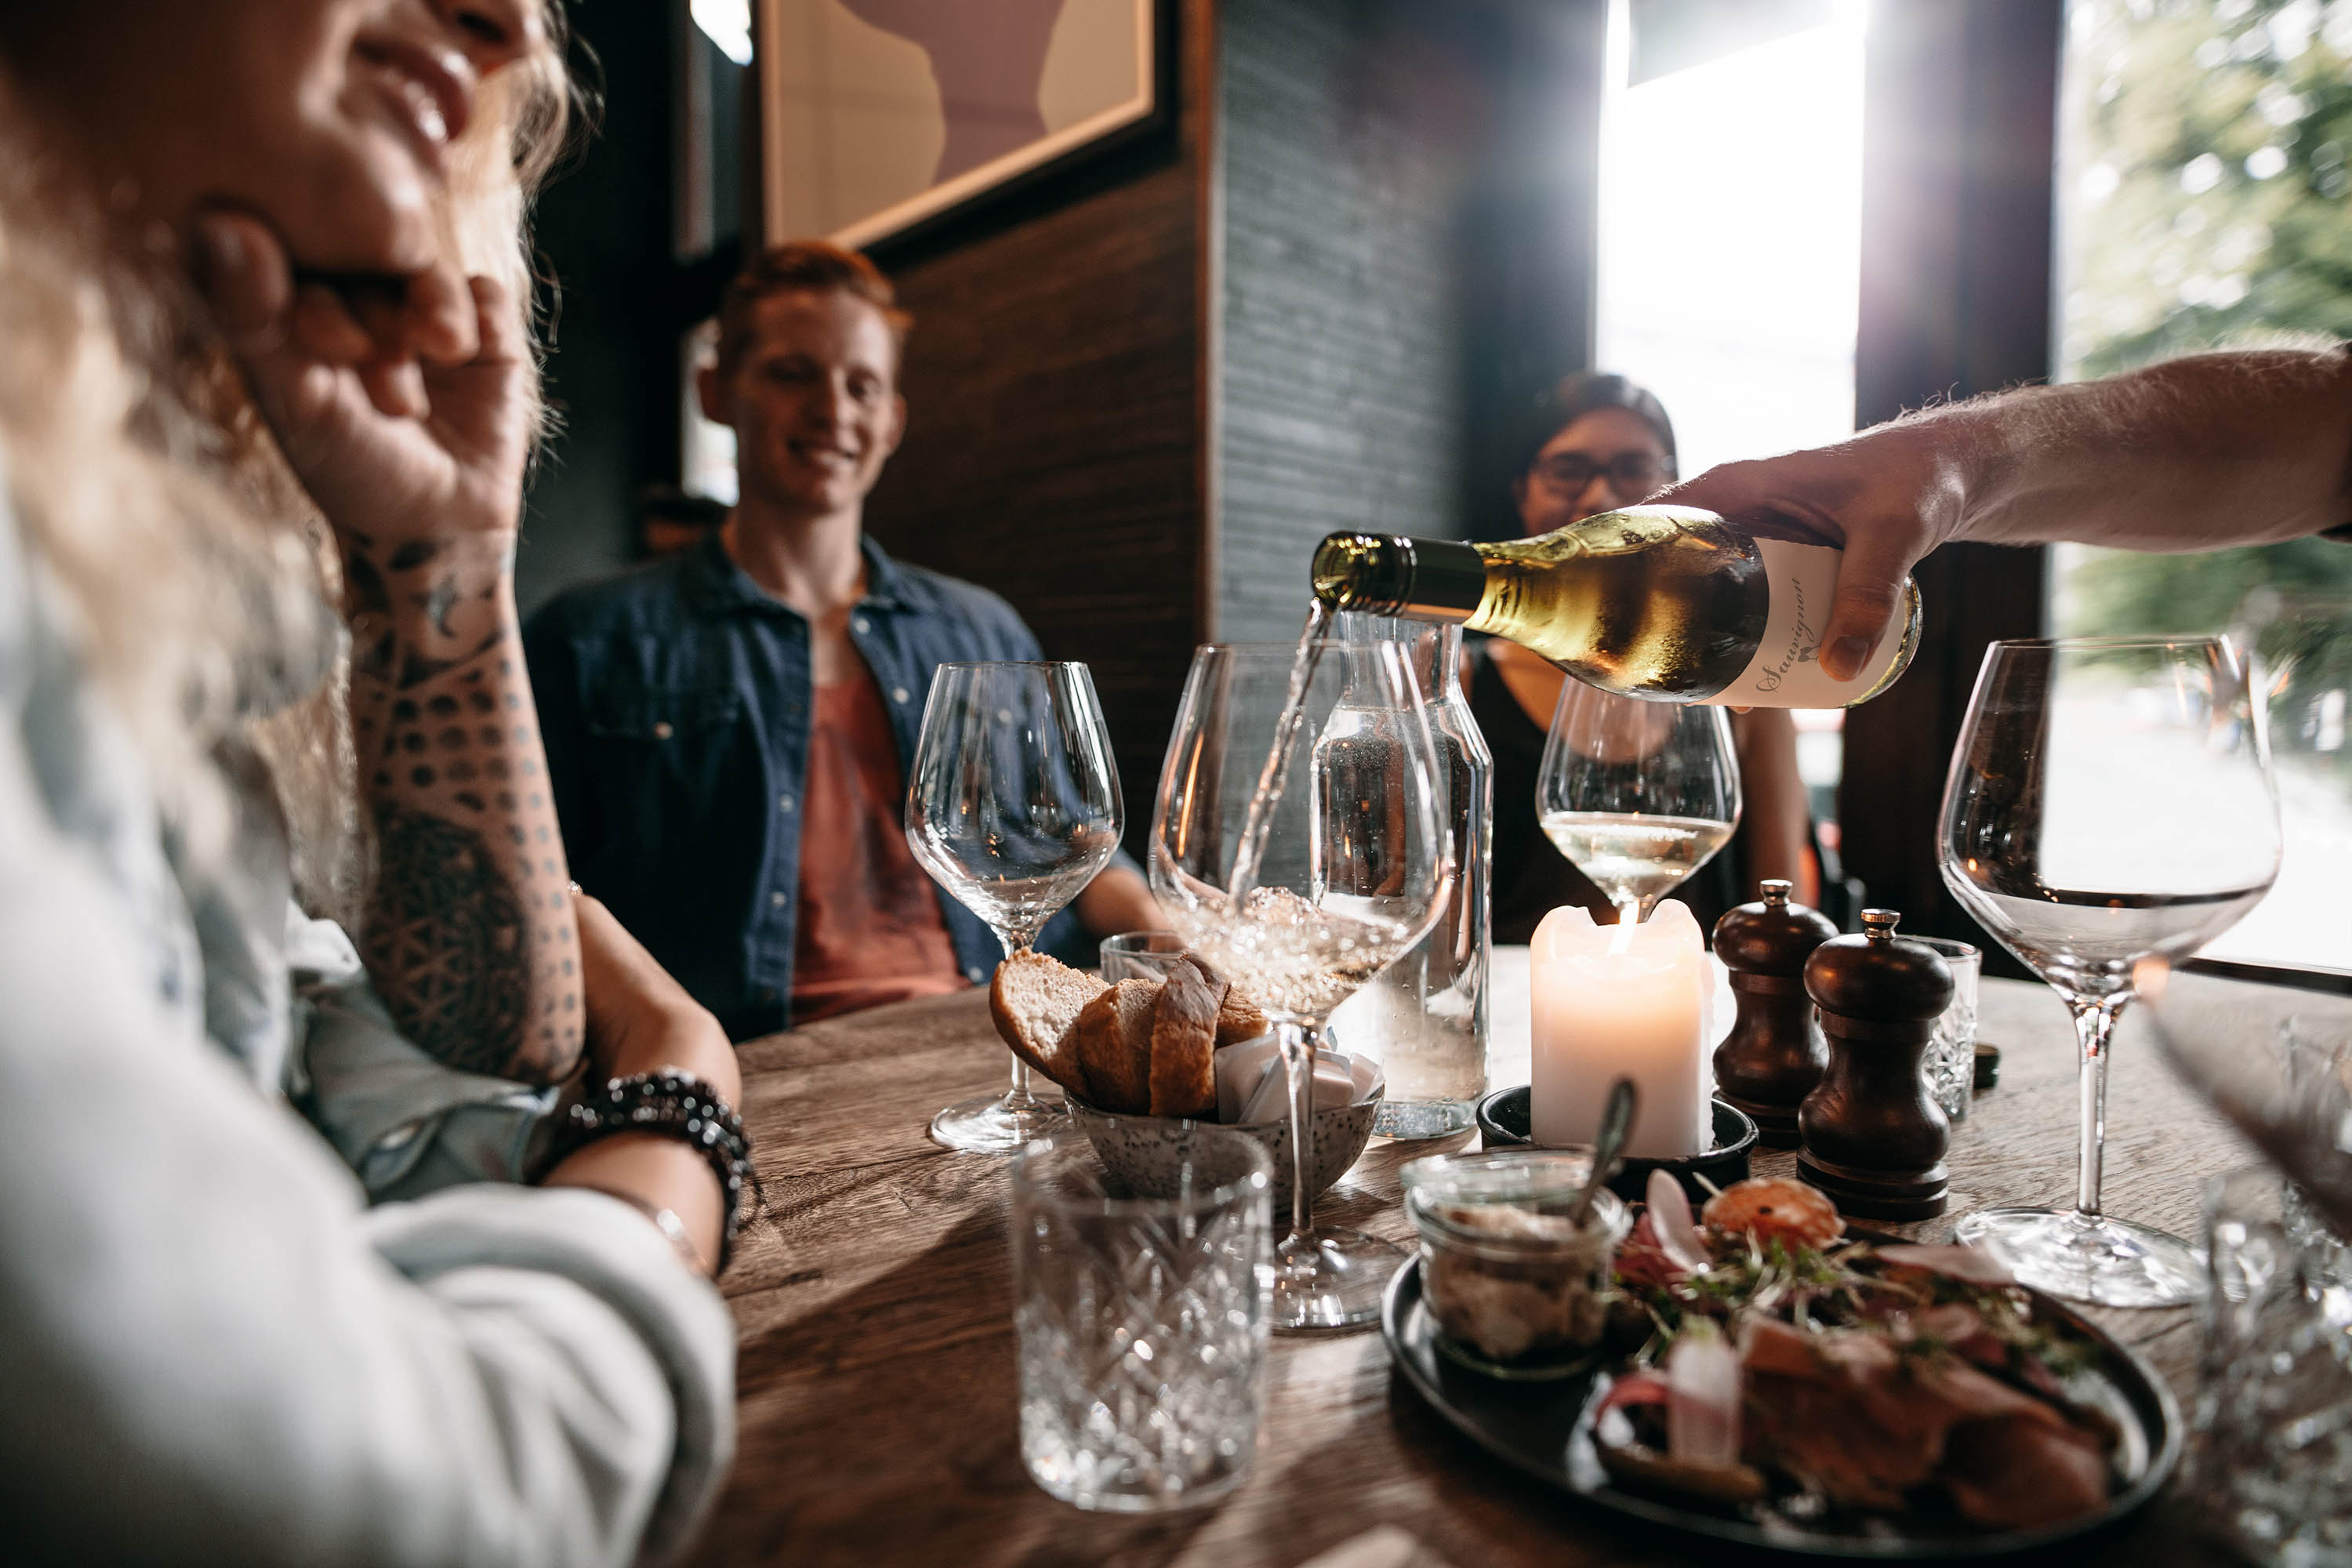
[(2110, 801), (1637, 795), (1013, 807), (1296, 844)]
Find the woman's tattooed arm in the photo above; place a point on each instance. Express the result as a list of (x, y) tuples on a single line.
[(408, 420), (470, 932)]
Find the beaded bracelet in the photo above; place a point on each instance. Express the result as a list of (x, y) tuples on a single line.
[(671, 1104)]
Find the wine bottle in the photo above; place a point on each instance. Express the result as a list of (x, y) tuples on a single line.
[(1667, 603)]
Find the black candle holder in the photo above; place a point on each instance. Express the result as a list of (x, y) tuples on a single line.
[(1503, 1118)]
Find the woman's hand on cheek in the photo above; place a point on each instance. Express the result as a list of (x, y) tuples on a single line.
[(402, 405)]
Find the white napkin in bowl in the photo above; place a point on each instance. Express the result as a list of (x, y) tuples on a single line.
[(1252, 1087)]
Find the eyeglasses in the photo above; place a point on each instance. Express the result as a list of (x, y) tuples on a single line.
[(1630, 473)]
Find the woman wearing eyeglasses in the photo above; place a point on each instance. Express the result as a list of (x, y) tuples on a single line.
[(1594, 443)]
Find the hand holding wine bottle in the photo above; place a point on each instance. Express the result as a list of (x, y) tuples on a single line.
[(2164, 459)]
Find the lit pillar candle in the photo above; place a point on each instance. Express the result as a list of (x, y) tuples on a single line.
[(1610, 1002)]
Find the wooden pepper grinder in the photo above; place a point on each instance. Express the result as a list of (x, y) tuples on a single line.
[(1873, 1140), (1775, 1054)]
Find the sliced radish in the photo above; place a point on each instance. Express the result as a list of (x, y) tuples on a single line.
[(1670, 1221), (1702, 1397)]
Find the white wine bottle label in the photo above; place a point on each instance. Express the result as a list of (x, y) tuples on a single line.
[(1786, 671)]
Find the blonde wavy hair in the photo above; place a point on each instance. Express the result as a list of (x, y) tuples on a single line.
[(194, 573)]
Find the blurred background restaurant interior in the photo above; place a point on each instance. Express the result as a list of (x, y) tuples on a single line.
[(1301, 275)]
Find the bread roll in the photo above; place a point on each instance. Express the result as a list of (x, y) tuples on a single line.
[(1036, 1002), (1114, 1046), (1185, 1044)]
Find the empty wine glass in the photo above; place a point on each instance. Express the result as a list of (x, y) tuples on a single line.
[(1013, 807), (2110, 801), (1637, 795), (1297, 846)]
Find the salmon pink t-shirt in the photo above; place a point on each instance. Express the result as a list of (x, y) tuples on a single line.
[(868, 930)]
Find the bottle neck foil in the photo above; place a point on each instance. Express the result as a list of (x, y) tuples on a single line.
[(1391, 574)]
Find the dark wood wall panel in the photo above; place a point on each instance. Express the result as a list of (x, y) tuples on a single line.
[(1533, 226), (1343, 133), (603, 230), (1052, 451)]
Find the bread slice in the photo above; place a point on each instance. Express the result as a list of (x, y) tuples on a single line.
[(1036, 1001), (1238, 1019), (1114, 1046), (1185, 1044)]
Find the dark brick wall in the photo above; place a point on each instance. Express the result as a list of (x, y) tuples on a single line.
[(1343, 143)]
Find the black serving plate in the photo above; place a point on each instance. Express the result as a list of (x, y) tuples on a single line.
[(1542, 1428), (1503, 1121)]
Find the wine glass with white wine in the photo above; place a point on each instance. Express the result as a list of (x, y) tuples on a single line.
[(1637, 795)]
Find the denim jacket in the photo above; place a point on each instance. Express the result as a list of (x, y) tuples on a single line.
[(676, 700)]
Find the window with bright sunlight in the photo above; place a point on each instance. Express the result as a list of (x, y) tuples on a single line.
[(2202, 203), (1730, 259)]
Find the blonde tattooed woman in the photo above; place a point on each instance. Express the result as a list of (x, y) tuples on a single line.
[(266, 398)]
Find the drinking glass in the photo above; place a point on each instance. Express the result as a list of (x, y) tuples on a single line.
[(1637, 795), (1141, 1322), (1296, 846), (1013, 807), (2270, 1465), (1140, 955), (1949, 1066), (2110, 801), (1424, 1019)]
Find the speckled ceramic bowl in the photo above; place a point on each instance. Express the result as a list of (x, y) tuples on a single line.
[(1145, 1153)]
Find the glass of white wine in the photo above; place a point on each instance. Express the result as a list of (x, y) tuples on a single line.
[(1637, 795), (1297, 845)]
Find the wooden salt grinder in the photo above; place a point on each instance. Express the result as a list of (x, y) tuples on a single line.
[(1874, 1141), (1775, 1054)]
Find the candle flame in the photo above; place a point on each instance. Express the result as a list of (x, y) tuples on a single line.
[(1620, 936)]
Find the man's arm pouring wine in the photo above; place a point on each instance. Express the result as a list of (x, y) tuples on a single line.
[(2194, 454)]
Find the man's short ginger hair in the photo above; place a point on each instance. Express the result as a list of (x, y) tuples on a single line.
[(802, 267)]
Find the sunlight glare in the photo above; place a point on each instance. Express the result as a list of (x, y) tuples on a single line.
[(1730, 238)]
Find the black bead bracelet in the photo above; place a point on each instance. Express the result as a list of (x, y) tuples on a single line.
[(671, 1104)]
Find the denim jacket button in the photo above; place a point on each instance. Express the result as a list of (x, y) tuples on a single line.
[(784, 803), (860, 623), (898, 694), (778, 898)]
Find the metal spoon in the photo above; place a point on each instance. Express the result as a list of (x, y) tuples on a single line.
[(1608, 1149)]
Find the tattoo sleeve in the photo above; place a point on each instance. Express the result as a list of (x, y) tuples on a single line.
[(468, 933)]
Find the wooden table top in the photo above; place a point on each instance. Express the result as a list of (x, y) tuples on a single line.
[(876, 1379)]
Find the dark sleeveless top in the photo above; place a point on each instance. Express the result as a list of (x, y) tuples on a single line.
[(1531, 878)]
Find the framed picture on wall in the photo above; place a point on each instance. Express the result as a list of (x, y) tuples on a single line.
[(876, 115)]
